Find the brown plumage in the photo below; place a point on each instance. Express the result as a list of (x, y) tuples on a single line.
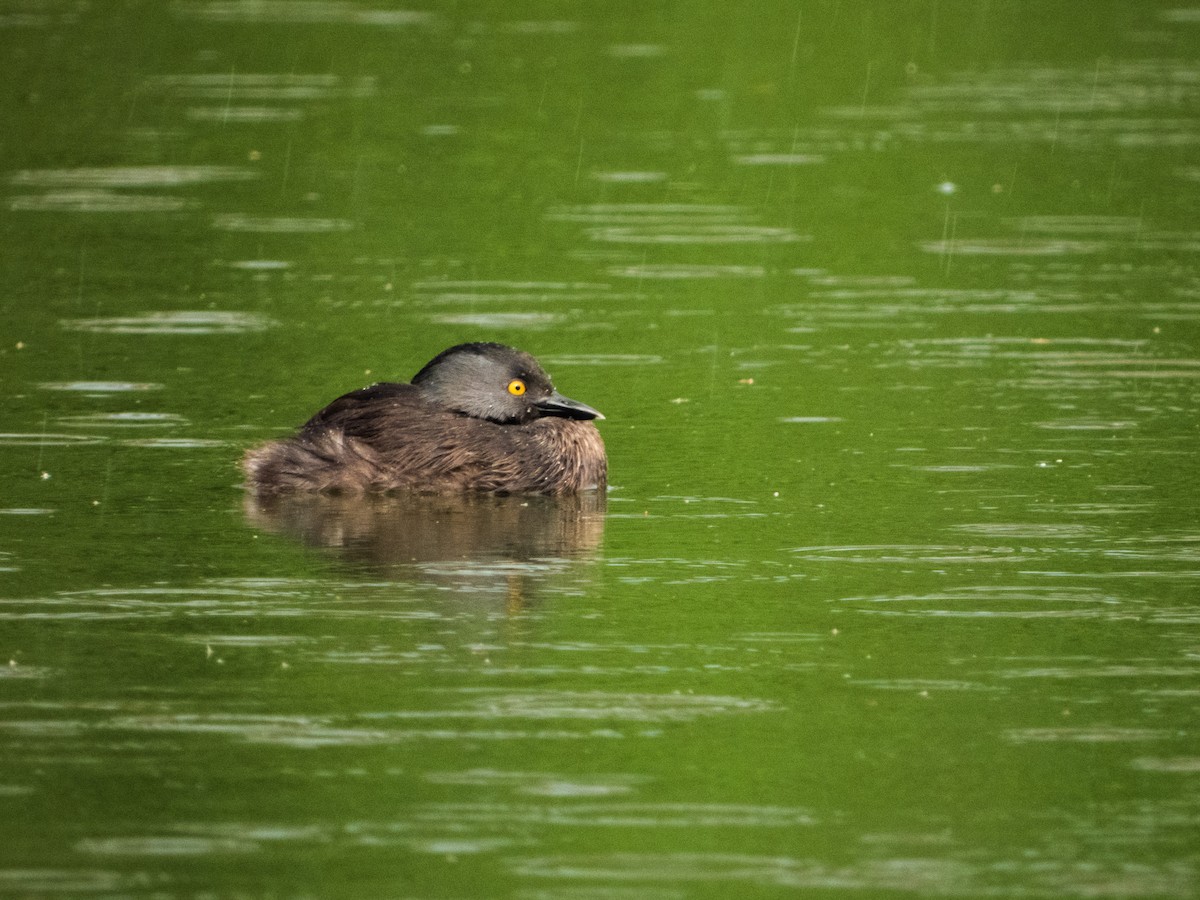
[(478, 417)]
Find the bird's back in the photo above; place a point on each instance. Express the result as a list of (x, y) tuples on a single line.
[(390, 437)]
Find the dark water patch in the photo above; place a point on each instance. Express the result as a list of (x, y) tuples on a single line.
[(19, 671), (1130, 103), (984, 464), (646, 215), (1170, 547), (468, 542)]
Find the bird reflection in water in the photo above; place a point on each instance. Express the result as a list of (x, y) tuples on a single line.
[(470, 542)]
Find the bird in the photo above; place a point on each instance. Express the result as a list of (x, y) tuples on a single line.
[(478, 417)]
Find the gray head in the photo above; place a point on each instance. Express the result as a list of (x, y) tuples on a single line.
[(495, 382)]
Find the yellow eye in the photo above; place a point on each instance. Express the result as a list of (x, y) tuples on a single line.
[(516, 387)]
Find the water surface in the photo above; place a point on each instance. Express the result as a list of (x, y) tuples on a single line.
[(895, 319)]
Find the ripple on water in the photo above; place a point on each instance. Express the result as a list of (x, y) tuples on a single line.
[(240, 222), (226, 115), (291, 87), (152, 603), (990, 602), (1088, 424), (1096, 734), (617, 814), (685, 271), (45, 439), (164, 443), (519, 320), (123, 420), (260, 265), (1072, 510), (940, 876), (472, 293), (310, 12), (1183, 765), (73, 881), (288, 731), (1011, 247), (906, 553), (492, 704), (650, 214), (1082, 224), (1031, 530), (174, 322), (779, 159), (602, 359), (472, 715), (543, 784), (131, 176), (542, 26), (1134, 103), (695, 234), (97, 201), (101, 387), (628, 177), (164, 845)]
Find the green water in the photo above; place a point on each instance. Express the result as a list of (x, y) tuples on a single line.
[(894, 314)]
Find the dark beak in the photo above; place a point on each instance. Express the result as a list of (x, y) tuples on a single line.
[(558, 405)]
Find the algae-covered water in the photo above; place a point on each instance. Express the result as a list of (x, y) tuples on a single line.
[(894, 314)]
